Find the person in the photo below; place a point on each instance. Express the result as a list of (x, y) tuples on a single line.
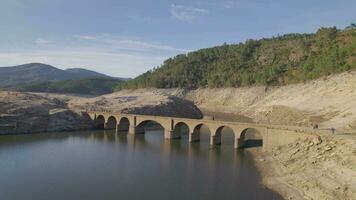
[(333, 130)]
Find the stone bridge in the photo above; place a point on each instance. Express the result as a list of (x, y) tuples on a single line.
[(135, 124)]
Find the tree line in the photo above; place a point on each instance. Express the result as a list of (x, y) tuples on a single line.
[(285, 59)]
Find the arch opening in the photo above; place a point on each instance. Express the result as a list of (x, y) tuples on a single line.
[(111, 123), (225, 135), (249, 138), (201, 132), (181, 130), (99, 122), (123, 125), (149, 126)]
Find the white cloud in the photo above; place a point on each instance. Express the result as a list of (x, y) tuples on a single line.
[(42, 41), (139, 18), (185, 13), (86, 37), (231, 4), (129, 44), (122, 57), (219, 4), (114, 64)]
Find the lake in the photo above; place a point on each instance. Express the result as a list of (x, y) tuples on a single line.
[(104, 165)]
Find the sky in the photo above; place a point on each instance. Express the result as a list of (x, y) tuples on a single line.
[(126, 38)]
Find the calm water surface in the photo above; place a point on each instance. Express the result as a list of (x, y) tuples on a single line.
[(98, 165)]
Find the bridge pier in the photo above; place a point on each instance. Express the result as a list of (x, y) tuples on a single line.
[(215, 140), (194, 137), (237, 142), (169, 134), (132, 130)]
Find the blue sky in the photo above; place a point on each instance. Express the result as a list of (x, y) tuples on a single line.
[(126, 38)]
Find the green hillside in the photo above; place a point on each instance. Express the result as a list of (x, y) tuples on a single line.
[(91, 86), (280, 60)]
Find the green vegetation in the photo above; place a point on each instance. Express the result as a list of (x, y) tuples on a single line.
[(280, 60), (90, 86)]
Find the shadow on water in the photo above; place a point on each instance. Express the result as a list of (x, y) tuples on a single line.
[(252, 143)]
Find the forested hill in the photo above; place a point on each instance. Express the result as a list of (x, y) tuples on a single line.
[(279, 60)]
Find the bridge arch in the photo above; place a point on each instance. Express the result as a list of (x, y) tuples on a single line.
[(123, 124), (250, 137), (147, 125), (181, 129), (111, 123), (197, 132), (224, 134), (99, 122)]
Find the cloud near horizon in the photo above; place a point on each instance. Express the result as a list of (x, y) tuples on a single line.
[(129, 44), (185, 13), (42, 41), (112, 64), (104, 53)]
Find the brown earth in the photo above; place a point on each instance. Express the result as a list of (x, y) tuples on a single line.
[(28, 113), (40, 112), (145, 102), (321, 167), (328, 102)]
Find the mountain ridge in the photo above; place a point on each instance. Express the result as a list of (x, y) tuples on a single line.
[(39, 72)]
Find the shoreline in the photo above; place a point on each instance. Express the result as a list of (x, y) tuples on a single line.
[(267, 169), (323, 167)]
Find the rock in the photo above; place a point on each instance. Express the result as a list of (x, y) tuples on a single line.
[(328, 148), (39, 114), (317, 140)]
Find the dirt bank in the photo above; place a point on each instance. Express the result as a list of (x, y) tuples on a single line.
[(28, 113), (328, 102), (321, 167), (145, 102)]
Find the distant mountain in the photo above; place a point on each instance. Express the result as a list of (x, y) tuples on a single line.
[(89, 86), (38, 72), (85, 72)]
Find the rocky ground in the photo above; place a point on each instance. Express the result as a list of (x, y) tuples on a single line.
[(328, 102), (322, 167), (28, 113), (145, 102)]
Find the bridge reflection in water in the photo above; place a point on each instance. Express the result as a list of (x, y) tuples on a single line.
[(150, 141)]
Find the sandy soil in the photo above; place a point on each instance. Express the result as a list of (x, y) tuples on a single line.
[(328, 102), (316, 168), (28, 113), (149, 102)]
